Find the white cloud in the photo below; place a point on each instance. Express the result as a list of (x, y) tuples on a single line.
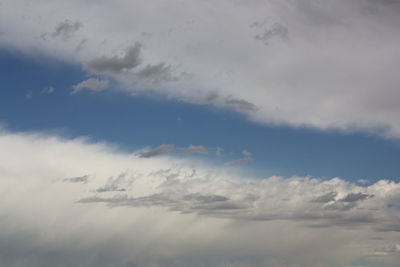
[(92, 84), (121, 210), (323, 64)]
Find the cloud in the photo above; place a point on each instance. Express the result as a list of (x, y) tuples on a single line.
[(276, 30), (29, 94), (304, 77), (91, 84), (160, 150), (47, 90), (248, 157), (66, 29), (80, 179), (192, 149), (353, 197), (117, 64), (199, 215)]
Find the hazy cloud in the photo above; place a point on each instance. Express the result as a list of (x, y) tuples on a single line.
[(47, 90), (248, 157), (192, 149), (29, 94)]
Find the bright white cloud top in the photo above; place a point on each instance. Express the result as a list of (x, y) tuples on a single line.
[(73, 203), (322, 64)]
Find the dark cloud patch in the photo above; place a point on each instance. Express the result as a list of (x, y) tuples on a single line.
[(81, 179), (158, 151), (354, 197), (117, 64), (325, 198), (66, 29), (277, 30), (241, 104), (113, 185), (157, 73)]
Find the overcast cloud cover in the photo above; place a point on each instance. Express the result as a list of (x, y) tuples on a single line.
[(74, 203), (323, 64), (326, 65)]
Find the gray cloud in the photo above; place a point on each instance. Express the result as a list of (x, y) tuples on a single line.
[(81, 179), (276, 30), (66, 29), (156, 73), (113, 185), (328, 197), (240, 104), (160, 150), (117, 64), (91, 84), (354, 197)]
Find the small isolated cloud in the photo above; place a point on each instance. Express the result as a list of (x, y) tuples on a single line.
[(81, 179), (158, 151), (48, 90), (29, 94), (248, 157), (218, 152), (194, 150), (66, 29), (117, 64), (91, 84)]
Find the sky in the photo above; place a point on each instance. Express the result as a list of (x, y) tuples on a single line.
[(199, 133)]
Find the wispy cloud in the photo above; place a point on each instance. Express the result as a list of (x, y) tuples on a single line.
[(160, 150), (91, 84)]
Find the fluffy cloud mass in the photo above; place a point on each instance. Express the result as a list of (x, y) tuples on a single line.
[(322, 64), (74, 203)]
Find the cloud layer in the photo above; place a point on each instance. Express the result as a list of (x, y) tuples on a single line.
[(322, 64), (72, 203)]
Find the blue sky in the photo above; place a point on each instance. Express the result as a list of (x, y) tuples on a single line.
[(193, 133), (135, 122)]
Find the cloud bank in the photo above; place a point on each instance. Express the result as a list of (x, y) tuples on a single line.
[(321, 64), (73, 203)]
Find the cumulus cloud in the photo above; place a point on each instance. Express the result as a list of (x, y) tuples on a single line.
[(320, 69), (168, 211), (91, 84)]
